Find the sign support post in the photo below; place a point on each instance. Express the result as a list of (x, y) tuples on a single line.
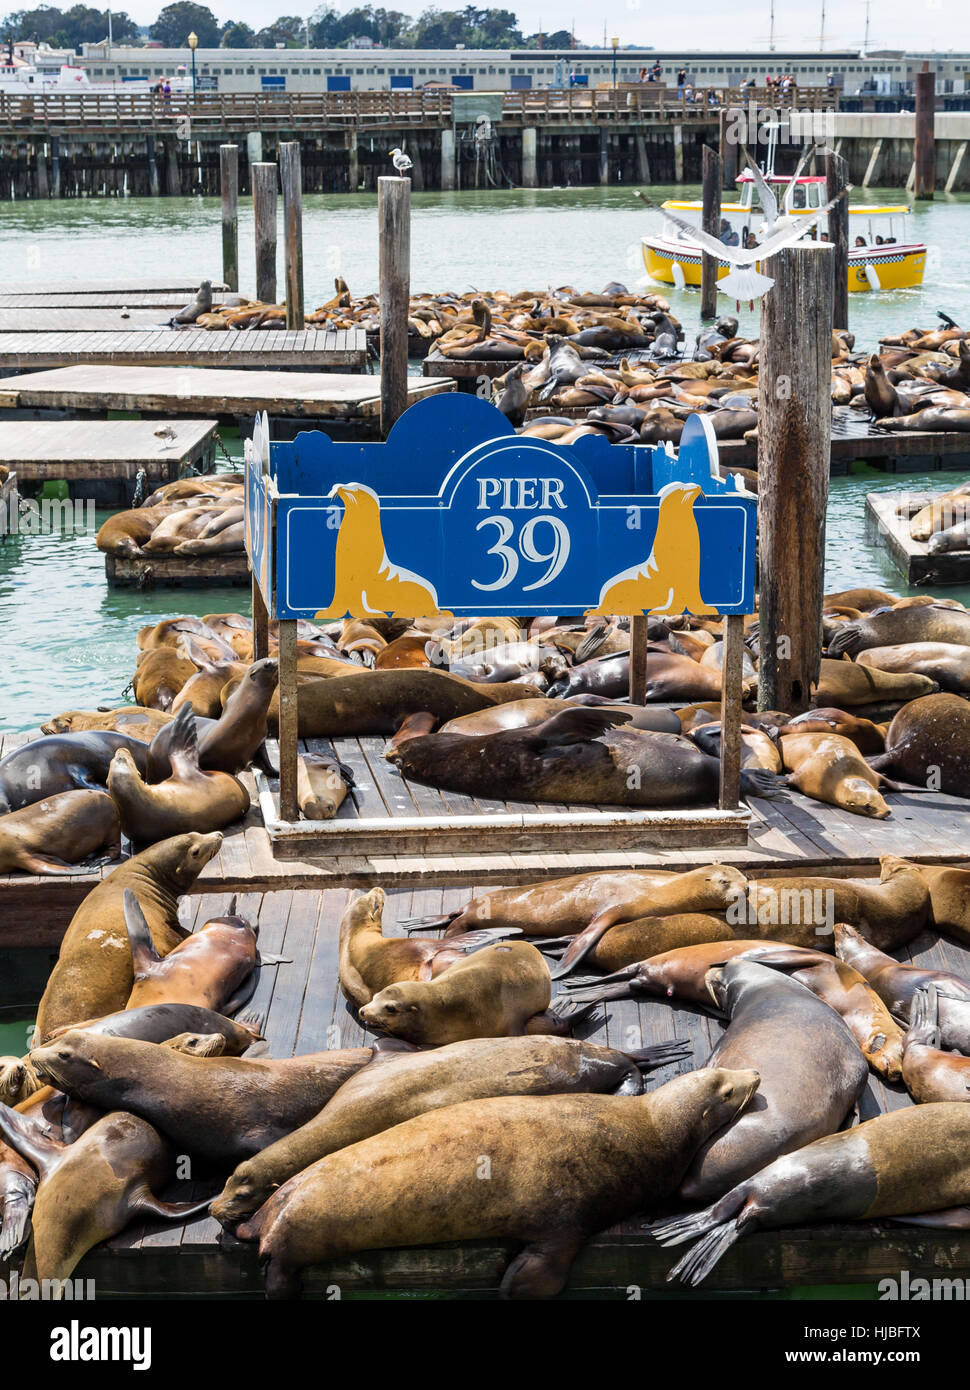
[(638, 659), (729, 788)]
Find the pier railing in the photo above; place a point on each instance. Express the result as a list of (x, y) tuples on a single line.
[(116, 111)]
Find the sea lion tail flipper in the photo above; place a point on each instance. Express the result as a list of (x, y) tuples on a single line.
[(585, 940), (143, 952), (758, 781), (945, 318), (659, 1054), (924, 1016), (949, 1219), (47, 864), (701, 1258), (30, 1141), (184, 749), (561, 1016), (145, 1203), (591, 644), (579, 724), (471, 941), (15, 1222), (411, 924), (253, 1023), (540, 1270), (848, 639)]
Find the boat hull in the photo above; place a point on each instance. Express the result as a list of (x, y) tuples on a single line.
[(894, 269)]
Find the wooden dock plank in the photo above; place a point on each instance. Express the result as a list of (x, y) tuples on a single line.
[(174, 347), (82, 450)]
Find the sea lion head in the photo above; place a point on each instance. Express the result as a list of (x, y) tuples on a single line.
[(181, 859), (243, 1194), (67, 1062), (122, 770), (397, 1010), (17, 1080), (263, 675), (198, 1044), (862, 798), (369, 907)]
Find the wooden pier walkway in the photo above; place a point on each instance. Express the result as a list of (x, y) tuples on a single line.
[(303, 1011), (62, 318), (321, 349), (100, 451), (217, 391)]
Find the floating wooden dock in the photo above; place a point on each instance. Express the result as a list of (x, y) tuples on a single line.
[(216, 391), (158, 284), (912, 558), (100, 319), (106, 453), (303, 1011), (321, 349), (177, 571), (111, 299)]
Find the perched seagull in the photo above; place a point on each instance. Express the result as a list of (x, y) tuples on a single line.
[(401, 161), (743, 281), (773, 222)]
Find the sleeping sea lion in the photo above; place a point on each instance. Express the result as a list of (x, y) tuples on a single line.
[(928, 743), (897, 984), (37, 839), (61, 763)]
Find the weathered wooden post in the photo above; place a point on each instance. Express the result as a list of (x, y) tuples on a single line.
[(924, 147), (794, 409), (732, 670), (229, 187), (835, 182), (638, 658), (394, 216), (728, 148), (710, 223), (264, 221), (291, 179)]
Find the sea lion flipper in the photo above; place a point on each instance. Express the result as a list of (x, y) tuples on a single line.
[(184, 749), (15, 1219), (47, 864), (145, 1203), (950, 1219), (143, 952), (580, 724), (540, 1270), (584, 941), (560, 1017), (23, 1135)]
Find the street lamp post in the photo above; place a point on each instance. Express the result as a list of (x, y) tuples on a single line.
[(193, 42), (616, 43)]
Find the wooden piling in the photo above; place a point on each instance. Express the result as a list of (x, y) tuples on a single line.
[(291, 180), (288, 721), (794, 410), (638, 659), (394, 217), (924, 147), (710, 223), (731, 118), (154, 186), (55, 167), (229, 187), (732, 671), (835, 181), (264, 221)]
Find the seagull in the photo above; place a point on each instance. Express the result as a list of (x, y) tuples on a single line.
[(401, 161), (743, 281), (773, 222)]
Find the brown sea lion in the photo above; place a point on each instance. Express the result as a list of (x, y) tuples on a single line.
[(92, 1189), (628, 942), (126, 532), (189, 799), (500, 991), (322, 784), (831, 769), (219, 1108), (767, 1011), (135, 720), (398, 1086), (229, 742), (163, 1022), (159, 676), (93, 975), (210, 969), (929, 1073), (803, 911), (928, 743), (562, 1168), (37, 839), (930, 622), (62, 763), (944, 510), (867, 736), (369, 961), (846, 683), (864, 599), (524, 714), (203, 690), (901, 1164), (947, 663), (949, 899), (897, 984)]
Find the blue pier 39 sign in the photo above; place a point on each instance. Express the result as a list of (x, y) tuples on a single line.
[(458, 514)]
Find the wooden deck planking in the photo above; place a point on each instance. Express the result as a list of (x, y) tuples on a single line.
[(300, 348), (305, 1011), (85, 450), (80, 319)]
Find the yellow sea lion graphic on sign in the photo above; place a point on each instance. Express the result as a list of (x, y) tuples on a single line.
[(366, 583), (669, 581)]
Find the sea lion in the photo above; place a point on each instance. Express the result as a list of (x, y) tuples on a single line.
[(901, 1164), (944, 510), (880, 394), (92, 1189), (373, 702), (944, 417), (629, 942), (524, 714), (37, 838), (159, 676), (211, 969), (322, 784), (831, 769), (398, 1086), (803, 911), (929, 1073), (867, 736), (892, 626), (897, 984), (93, 973), (563, 1167), (230, 742), (203, 690), (62, 763), (864, 599), (953, 538), (767, 1011), (949, 899), (126, 719), (18, 1184), (162, 1022), (578, 756), (846, 683), (501, 991), (220, 1108), (947, 663), (126, 532), (369, 961), (608, 676), (201, 304), (758, 749), (189, 799), (928, 743)]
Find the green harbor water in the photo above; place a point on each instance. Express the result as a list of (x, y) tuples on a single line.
[(68, 641)]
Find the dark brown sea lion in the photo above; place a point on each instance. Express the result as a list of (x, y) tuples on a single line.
[(398, 1086), (93, 974), (219, 1108), (373, 702), (793, 1040), (902, 1164), (925, 623), (803, 911), (578, 756), (897, 984), (18, 1184), (501, 991), (929, 1073), (189, 799), (161, 1022), (62, 763), (37, 839), (608, 676), (928, 743), (561, 1168), (211, 969), (92, 1189), (370, 961), (126, 532), (880, 393)]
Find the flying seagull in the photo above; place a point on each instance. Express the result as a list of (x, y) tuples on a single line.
[(401, 161), (773, 222), (743, 281)]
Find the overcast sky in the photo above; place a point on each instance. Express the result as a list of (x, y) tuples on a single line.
[(913, 24)]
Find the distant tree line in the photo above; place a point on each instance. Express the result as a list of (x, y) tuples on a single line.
[(470, 27)]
